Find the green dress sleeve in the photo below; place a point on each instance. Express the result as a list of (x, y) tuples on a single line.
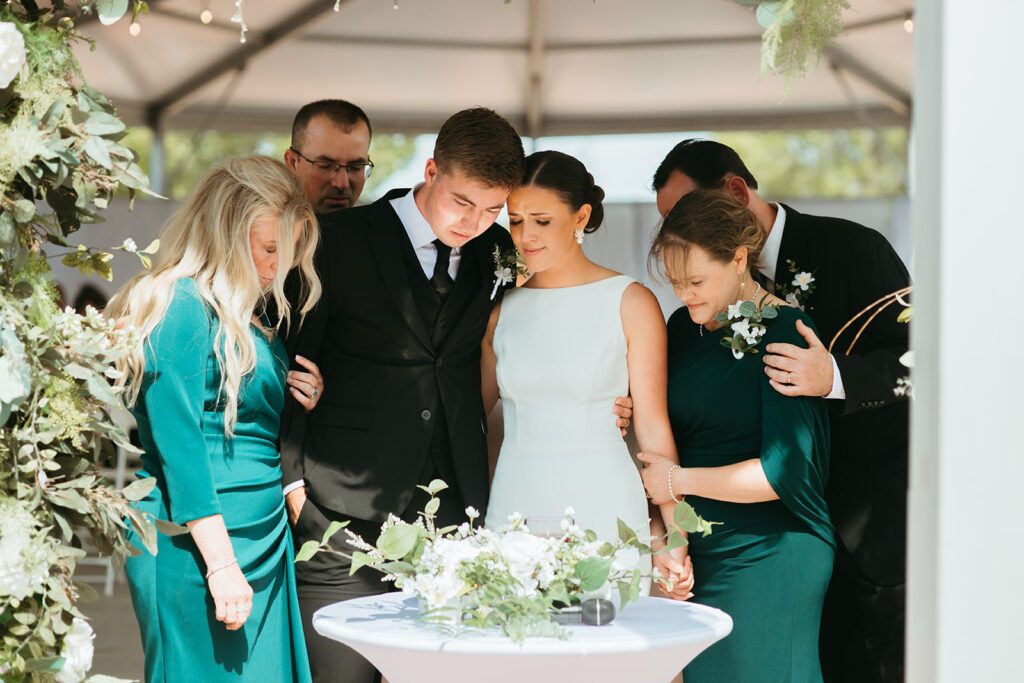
[(795, 438), (176, 366)]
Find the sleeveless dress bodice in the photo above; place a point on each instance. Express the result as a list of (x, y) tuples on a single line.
[(561, 364)]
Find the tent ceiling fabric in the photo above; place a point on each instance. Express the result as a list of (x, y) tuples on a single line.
[(553, 67)]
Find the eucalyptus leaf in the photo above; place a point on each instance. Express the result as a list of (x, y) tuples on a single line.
[(45, 664), (55, 112), (109, 11), (769, 312), (139, 489), (398, 541), (102, 123), (332, 528), (432, 506), (7, 233), (359, 560), (308, 550), (24, 210), (169, 528), (96, 148), (593, 572), (747, 309)]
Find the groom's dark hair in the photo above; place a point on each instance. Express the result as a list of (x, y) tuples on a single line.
[(482, 145), (707, 162), (341, 113)]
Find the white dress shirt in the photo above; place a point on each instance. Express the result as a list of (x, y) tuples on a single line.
[(422, 237), (766, 263)]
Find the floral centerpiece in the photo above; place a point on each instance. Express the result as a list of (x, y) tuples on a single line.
[(469, 576)]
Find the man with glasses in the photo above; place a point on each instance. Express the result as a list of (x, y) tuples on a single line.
[(330, 153)]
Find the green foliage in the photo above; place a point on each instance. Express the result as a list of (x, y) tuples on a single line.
[(795, 33), (62, 148), (848, 163)]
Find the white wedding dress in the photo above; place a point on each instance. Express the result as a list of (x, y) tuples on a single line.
[(561, 365)]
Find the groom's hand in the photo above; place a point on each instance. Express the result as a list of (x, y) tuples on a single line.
[(624, 409), (294, 500)]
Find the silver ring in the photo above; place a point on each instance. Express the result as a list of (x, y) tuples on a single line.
[(316, 391)]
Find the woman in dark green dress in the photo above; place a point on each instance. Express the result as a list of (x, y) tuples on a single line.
[(752, 459), (207, 385)]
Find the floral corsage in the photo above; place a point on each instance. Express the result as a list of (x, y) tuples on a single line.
[(800, 289), (507, 265), (747, 323)]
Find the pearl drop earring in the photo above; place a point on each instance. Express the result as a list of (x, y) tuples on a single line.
[(579, 237)]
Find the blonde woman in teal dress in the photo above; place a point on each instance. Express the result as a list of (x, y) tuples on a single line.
[(750, 458), (207, 385)]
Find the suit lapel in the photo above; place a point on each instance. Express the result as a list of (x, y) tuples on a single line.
[(387, 239)]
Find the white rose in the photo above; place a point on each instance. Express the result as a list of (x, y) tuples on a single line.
[(77, 652), (626, 559), (130, 246), (12, 52)]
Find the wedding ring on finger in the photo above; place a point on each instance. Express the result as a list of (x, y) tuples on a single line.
[(789, 379), (315, 392)]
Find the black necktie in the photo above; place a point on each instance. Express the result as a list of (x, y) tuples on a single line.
[(441, 280)]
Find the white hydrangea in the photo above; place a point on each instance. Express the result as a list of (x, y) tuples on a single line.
[(12, 52), (77, 652), (23, 554)]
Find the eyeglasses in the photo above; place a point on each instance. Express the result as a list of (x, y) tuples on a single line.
[(355, 169)]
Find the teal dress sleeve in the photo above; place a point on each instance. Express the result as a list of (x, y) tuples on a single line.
[(795, 438), (176, 367)]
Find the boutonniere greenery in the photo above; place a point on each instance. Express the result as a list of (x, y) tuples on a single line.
[(746, 322), (507, 265), (799, 289)]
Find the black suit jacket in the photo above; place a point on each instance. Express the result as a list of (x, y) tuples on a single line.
[(853, 267), (387, 376)]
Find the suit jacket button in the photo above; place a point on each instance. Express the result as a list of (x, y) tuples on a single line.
[(441, 322), (438, 363), (425, 415)]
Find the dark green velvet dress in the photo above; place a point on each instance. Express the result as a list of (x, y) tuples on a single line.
[(767, 564), (199, 474)]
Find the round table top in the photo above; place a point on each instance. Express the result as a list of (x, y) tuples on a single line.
[(392, 620)]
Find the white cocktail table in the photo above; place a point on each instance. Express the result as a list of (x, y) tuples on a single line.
[(651, 641)]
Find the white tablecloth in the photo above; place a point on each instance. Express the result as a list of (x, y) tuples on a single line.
[(650, 641)]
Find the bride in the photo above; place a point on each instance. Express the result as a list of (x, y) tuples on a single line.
[(558, 351)]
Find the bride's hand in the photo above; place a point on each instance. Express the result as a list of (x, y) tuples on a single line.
[(678, 571), (655, 475)]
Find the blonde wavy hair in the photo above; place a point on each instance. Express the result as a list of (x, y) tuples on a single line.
[(208, 240)]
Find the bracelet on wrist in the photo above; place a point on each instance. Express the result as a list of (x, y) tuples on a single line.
[(672, 493), (211, 572)]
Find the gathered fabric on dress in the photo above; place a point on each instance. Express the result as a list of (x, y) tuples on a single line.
[(201, 473), (561, 364), (766, 564)]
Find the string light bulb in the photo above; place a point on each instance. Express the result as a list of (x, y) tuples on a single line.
[(206, 16), (908, 24), (134, 29)]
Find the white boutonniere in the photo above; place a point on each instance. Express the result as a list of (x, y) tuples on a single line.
[(746, 322), (799, 289), (507, 265)]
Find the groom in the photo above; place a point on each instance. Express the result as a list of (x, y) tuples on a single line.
[(407, 292)]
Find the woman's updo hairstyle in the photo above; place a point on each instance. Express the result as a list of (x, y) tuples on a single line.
[(567, 177), (713, 220)]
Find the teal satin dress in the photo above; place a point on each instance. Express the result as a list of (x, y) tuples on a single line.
[(767, 564), (201, 473)]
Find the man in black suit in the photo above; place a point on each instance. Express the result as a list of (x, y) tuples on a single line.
[(852, 266), (407, 292)]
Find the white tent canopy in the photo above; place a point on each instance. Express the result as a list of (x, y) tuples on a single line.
[(553, 67)]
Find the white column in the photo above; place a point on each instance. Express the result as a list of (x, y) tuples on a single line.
[(966, 549)]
